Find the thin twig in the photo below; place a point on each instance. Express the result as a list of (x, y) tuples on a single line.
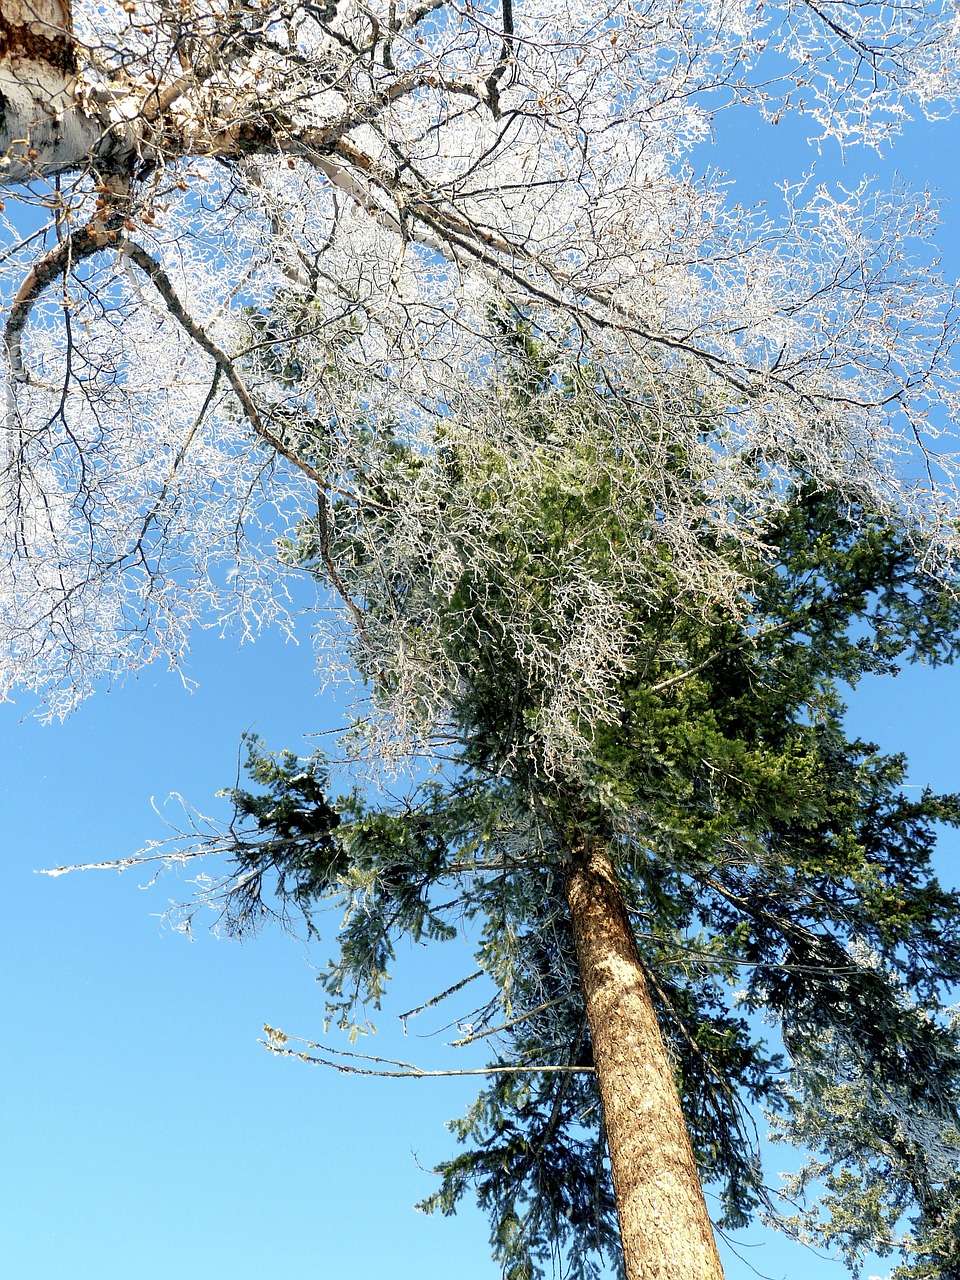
[(434, 1000), (162, 283), (512, 1022), (395, 1069)]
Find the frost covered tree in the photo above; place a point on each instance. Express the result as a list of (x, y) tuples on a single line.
[(278, 248), (646, 816), (402, 168)]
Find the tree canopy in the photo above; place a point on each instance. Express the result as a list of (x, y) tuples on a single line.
[(796, 941), (395, 171)]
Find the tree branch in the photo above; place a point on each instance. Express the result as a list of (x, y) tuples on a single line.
[(392, 1068)]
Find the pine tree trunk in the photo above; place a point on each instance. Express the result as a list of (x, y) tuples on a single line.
[(664, 1225)]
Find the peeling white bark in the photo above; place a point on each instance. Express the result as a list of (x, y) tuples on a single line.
[(43, 129)]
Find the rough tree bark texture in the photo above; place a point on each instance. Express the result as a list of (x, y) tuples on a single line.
[(664, 1225), (41, 127)]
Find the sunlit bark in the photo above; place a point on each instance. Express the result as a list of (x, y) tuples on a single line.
[(42, 129), (664, 1225)]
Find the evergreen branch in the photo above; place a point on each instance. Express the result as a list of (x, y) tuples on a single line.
[(747, 642)]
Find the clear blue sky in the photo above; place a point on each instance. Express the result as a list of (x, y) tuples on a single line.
[(145, 1132)]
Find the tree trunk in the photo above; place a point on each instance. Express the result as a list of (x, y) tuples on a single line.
[(664, 1225), (42, 129)]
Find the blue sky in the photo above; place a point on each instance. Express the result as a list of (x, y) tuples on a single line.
[(146, 1132)]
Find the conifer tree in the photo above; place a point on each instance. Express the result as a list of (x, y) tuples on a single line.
[(647, 815)]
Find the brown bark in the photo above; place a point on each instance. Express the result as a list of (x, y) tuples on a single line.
[(37, 31), (664, 1225)]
